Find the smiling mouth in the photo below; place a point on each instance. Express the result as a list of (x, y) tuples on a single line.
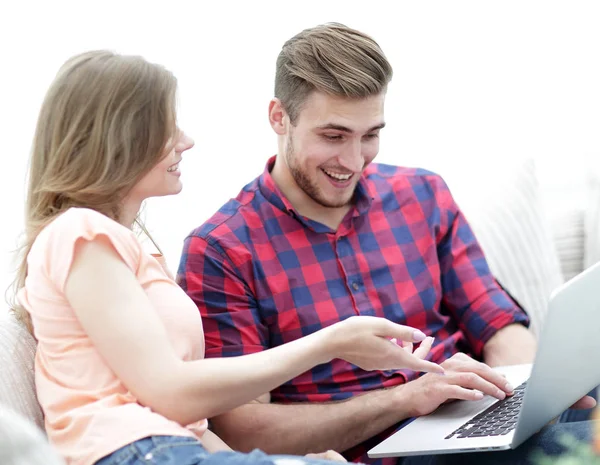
[(173, 168), (337, 176)]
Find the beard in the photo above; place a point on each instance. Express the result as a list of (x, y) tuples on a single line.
[(308, 185)]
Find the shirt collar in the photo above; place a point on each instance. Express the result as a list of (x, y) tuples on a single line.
[(269, 189)]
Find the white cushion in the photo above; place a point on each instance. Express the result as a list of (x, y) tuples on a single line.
[(17, 388), (22, 443), (592, 219), (568, 235), (563, 193), (504, 208)]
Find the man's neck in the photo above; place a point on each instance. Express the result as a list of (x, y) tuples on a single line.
[(302, 203)]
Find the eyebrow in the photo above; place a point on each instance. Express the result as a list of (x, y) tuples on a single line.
[(338, 127)]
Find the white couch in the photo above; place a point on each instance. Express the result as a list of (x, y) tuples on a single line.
[(22, 441), (534, 240)]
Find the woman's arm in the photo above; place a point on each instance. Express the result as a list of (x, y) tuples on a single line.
[(117, 315)]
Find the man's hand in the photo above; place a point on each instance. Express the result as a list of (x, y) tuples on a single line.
[(584, 403), (464, 379), (514, 345), (329, 455)]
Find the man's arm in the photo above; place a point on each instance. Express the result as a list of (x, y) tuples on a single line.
[(494, 324), (302, 428), (511, 345), (312, 427), (471, 294)]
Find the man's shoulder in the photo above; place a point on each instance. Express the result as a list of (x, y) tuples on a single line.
[(233, 215), (401, 177)]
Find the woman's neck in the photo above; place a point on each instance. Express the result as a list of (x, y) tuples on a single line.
[(129, 212)]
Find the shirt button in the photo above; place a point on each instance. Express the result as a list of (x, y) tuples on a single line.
[(148, 456), (355, 286)]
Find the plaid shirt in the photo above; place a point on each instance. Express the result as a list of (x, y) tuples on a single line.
[(263, 275)]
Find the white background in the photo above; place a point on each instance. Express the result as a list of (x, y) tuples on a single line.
[(477, 84)]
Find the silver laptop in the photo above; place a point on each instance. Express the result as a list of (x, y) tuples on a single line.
[(566, 367)]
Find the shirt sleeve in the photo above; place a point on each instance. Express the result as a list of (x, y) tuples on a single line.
[(54, 249), (471, 294), (230, 314)]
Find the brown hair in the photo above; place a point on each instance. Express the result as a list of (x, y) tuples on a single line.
[(103, 125), (333, 59)]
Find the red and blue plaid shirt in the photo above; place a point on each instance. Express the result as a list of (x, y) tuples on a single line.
[(262, 275)]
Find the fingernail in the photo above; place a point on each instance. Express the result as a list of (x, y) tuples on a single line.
[(394, 340), (501, 394), (418, 336), (478, 395), (509, 387)]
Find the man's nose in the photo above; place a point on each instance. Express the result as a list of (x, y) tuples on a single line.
[(352, 158)]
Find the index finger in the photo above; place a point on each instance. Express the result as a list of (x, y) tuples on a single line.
[(487, 373), (400, 332), (405, 359), (424, 348)]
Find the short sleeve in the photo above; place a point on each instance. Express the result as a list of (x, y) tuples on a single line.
[(53, 251)]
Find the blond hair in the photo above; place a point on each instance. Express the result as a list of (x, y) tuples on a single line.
[(103, 125), (333, 59)]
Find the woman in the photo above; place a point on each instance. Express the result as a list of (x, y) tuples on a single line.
[(119, 367)]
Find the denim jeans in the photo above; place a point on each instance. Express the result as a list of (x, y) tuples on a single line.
[(174, 450)]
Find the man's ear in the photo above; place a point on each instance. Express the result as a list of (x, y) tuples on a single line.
[(278, 117)]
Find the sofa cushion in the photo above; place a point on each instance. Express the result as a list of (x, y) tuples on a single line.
[(504, 208), (592, 219), (17, 351), (568, 235), (22, 443), (563, 194)]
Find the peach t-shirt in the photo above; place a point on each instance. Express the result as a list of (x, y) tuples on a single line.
[(89, 413)]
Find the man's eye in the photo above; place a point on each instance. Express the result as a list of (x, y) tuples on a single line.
[(332, 137)]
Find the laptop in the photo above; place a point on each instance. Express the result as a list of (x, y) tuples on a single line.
[(566, 367)]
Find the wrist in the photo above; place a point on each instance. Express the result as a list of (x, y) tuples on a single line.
[(403, 401), (326, 344)]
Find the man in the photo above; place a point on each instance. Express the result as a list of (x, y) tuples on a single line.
[(324, 234)]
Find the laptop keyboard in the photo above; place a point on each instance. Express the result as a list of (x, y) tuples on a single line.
[(497, 420)]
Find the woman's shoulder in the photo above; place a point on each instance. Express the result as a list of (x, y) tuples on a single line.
[(60, 235), (83, 221), (80, 216)]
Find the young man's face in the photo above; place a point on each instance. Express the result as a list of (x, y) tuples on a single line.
[(334, 139)]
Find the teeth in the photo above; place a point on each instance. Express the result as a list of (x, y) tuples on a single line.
[(340, 177), (173, 168)]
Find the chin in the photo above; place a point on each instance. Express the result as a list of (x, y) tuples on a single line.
[(171, 191), (334, 203)]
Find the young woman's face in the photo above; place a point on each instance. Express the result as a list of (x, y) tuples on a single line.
[(164, 177)]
